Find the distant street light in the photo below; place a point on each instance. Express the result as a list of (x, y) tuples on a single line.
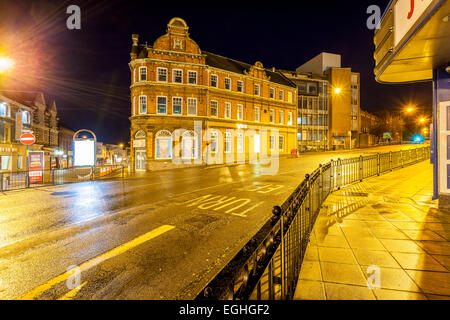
[(337, 91), (5, 64)]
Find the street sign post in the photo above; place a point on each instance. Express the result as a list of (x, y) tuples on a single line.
[(27, 139)]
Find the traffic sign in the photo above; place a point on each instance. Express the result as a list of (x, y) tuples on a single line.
[(27, 139)]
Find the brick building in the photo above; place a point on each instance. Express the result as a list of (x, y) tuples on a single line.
[(226, 109)]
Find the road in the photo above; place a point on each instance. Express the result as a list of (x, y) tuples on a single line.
[(157, 235)]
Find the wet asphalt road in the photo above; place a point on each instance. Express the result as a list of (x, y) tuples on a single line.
[(158, 235)]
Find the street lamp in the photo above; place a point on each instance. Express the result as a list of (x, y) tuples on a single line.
[(6, 64), (337, 91)]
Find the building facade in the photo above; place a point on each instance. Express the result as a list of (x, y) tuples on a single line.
[(194, 106), (22, 112), (328, 104)]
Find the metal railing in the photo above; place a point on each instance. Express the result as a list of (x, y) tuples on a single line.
[(32, 179), (268, 266)]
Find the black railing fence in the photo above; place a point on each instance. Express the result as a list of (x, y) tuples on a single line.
[(268, 266), (31, 179)]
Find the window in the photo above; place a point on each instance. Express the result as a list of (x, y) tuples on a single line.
[(227, 110), (177, 76), (214, 109), (192, 107), (25, 117), (142, 104), (272, 93), (228, 142), (192, 77), (240, 112), (163, 140), (272, 142), (3, 108), (290, 97), (177, 105), (281, 95), (282, 117), (257, 90), (257, 114), (281, 141), (133, 107), (289, 118), (214, 138), (240, 86), (142, 73), (162, 74), (19, 162), (162, 105), (189, 145), (272, 115), (5, 162), (214, 80), (240, 142), (227, 83)]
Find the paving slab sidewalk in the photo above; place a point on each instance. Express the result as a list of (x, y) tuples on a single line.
[(386, 231)]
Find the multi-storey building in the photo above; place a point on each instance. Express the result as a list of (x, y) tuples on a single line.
[(14, 118), (313, 100), (191, 104), (328, 103), (28, 112)]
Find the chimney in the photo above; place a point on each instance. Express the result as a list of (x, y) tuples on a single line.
[(135, 38)]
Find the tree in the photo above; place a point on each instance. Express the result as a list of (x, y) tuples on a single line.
[(388, 121)]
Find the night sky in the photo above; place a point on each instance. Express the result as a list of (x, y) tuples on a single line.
[(86, 71)]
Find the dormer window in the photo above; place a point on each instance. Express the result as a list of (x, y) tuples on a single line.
[(178, 44)]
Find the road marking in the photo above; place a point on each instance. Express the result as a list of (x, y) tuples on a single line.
[(36, 292), (72, 293), (220, 202)]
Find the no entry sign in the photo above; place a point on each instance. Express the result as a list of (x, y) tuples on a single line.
[(27, 138)]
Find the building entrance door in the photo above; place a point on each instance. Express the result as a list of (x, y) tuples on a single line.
[(140, 160)]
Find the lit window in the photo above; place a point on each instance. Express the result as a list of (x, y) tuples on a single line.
[(214, 80), (272, 115), (227, 110), (25, 117), (162, 105), (214, 109), (192, 77), (192, 107), (240, 112), (162, 74), (142, 104), (281, 95), (227, 83), (289, 118), (281, 117), (257, 90), (228, 142), (177, 105), (240, 142), (3, 109), (163, 141), (177, 76), (240, 86), (257, 114), (142, 73)]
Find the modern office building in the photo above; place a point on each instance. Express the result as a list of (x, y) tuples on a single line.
[(196, 106), (328, 103)]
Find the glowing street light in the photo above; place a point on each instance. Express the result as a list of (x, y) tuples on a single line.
[(6, 64), (337, 91)]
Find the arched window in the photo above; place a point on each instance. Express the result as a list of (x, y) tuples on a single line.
[(140, 134), (189, 145), (163, 142)]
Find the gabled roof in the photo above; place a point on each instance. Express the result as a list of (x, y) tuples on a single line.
[(23, 97), (232, 65)]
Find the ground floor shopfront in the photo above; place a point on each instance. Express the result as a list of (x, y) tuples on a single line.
[(199, 141)]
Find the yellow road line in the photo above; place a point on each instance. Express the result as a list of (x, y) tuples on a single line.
[(72, 293), (36, 292)]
